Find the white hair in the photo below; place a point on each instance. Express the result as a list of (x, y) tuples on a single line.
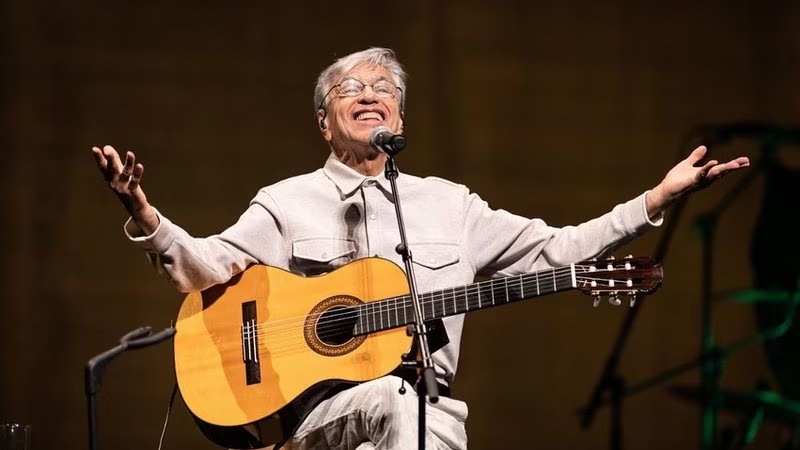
[(379, 56)]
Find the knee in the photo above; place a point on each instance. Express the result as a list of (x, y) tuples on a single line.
[(385, 400)]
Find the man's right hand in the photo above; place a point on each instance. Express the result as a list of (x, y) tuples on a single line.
[(124, 180)]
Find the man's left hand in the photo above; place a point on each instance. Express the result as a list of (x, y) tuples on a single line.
[(685, 178)]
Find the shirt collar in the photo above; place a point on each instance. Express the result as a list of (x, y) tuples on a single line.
[(348, 180)]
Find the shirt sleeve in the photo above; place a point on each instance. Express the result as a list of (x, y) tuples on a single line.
[(501, 243), (197, 263)]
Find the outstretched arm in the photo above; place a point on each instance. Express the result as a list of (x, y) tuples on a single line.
[(685, 178), (192, 264), (125, 181)]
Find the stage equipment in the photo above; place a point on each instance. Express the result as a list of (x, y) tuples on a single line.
[(611, 387), (93, 373)]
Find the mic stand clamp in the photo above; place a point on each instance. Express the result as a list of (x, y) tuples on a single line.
[(93, 373), (426, 386)]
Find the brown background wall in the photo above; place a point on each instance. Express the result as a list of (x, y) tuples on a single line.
[(550, 109)]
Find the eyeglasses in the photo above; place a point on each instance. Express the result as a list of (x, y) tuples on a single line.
[(350, 87)]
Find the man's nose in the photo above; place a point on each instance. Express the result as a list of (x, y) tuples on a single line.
[(368, 95)]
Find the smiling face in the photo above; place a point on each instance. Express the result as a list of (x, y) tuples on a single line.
[(349, 120)]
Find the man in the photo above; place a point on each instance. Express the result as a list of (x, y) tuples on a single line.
[(316, 222)]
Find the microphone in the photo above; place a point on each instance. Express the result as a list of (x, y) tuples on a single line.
[(383, 140), (762, 132)]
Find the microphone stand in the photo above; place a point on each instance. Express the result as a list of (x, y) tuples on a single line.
[(712, 366), (610, 378), (428, 385), (136, 339), (719, 353)]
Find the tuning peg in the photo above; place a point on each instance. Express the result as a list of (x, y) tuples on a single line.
[(632, 302), (614, 299), (596, 301), (629, 257), (611, 258)]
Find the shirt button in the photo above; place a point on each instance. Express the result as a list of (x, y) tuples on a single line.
[(324, 255), (433, 260), (372, 216)]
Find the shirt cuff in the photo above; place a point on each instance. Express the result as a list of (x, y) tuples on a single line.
[(659, 220), (159, 240)]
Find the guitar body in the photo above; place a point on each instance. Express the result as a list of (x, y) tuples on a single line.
[(254, 355), (246, 349)]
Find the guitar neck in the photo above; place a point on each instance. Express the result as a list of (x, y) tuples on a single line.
[(399, 311)]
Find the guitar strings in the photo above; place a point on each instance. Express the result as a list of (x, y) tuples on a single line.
[(280, 327), (428, 298), (280, 330), (383, 308), (431, 298), (284, 343), (378, 314)]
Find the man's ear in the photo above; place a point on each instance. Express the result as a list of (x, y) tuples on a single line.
[(321, 115), (322, 121), (402, 121)]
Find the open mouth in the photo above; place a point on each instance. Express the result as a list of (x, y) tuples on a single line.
[(369, 116)]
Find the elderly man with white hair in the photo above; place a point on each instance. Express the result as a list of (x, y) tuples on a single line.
[(311, 224)]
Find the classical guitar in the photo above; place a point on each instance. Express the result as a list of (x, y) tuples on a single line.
[(249, 350)]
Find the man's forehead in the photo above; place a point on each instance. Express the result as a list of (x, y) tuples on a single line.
[(368, 72)]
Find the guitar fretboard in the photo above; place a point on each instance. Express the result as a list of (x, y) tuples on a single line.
[(399, 311)]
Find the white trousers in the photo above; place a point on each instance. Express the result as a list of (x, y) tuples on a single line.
[(374, 415)]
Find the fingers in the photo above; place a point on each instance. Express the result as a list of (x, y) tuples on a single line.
[(107, 161), (136, 177), (723, 169), (707, 166), (127, 168), (713, 172), (114, 166), (99, 158), (743, 161), (697, 154), (122, 177)]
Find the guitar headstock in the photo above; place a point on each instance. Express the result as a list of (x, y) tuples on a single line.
[(615, 278)]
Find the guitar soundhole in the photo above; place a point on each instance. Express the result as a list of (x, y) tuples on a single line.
[(335, 326), (329, 326)]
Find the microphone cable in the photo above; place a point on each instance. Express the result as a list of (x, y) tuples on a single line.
[(166, 417)]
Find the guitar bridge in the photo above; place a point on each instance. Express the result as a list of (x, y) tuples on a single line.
[(252, 366)]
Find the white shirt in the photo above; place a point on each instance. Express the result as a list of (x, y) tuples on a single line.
[(313, 223)]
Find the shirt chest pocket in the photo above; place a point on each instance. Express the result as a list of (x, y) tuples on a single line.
[(314, 256), (435, 255)]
